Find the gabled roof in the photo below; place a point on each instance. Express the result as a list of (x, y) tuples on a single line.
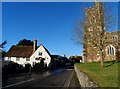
[(20, 51), (45, 49), (76, 57), (55, 56)]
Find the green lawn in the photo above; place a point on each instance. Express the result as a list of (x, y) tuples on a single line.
[(104, 77)]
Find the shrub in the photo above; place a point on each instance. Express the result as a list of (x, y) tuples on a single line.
[(39, 66), (27, 67), (12, 68)]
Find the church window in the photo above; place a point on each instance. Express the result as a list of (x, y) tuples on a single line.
[(111, 50)]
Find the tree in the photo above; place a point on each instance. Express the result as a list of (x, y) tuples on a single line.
[(97, 38), (2, 44), (2, 52), (40, 65), (25, 42)]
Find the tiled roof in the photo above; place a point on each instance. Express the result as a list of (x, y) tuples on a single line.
[(20, 51), (77, 57)]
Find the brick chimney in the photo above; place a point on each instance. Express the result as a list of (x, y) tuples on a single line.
[(34, 45)]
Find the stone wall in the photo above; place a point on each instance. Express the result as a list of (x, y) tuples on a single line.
[(84, 80)]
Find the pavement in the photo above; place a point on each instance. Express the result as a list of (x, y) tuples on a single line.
[(59, 78)]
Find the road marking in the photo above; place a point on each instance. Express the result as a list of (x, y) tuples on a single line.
[(70, 79), (60, 70), (18, 83), (48, 74), (53, 73), (69, 69), (32, 79)]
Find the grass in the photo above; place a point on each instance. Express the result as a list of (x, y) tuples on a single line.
[(104, 77)]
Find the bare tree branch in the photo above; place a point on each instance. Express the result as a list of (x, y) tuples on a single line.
[(105, 22)]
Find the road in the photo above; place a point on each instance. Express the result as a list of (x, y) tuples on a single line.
[(56, 79)]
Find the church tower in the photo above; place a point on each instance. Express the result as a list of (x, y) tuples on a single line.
[(94, 24)]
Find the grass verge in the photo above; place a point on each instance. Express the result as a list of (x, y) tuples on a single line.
[(104, 77)]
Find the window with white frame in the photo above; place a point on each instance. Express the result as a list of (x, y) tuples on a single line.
[(9, 58), (40, 54), (111, 50), (17, 59), (27, 59)]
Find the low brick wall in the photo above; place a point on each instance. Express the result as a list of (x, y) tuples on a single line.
[(84, 80)]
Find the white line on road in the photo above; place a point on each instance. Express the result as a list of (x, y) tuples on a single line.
[(69, 69), (60, 70), (31, 79), (70, 79), (48, 74), (18, 83), (53, 73)]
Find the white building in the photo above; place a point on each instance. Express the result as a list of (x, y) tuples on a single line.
[(39, 54), (28, 54)]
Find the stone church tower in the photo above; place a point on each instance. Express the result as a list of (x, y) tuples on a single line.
[(94, 25)]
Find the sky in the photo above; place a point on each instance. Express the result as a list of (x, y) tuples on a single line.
[(52, 23)]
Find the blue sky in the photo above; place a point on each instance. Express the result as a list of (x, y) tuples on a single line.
[(51, 23)]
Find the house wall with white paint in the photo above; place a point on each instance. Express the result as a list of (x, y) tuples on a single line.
[(41, 53), (19, 60)]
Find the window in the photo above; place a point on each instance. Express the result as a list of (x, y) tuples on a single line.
[(9, 58), (17, 59), (38, 58), (27, 59), (115, 37), (40, 53), (111, 50)]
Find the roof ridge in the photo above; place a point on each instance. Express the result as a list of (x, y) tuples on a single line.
[(45, 49)]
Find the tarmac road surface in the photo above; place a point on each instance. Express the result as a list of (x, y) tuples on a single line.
[(59, 79)]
